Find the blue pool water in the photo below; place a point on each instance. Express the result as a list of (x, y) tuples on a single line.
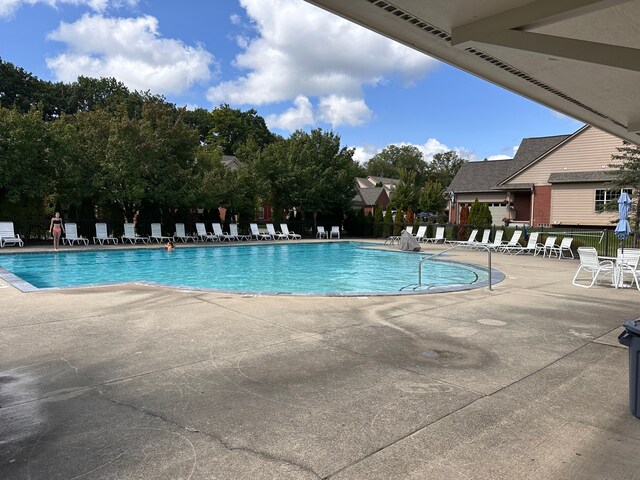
[(340, 268)]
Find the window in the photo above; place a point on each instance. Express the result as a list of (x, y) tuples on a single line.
[(604, 196)]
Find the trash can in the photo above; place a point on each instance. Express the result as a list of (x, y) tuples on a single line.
[(631, 338)]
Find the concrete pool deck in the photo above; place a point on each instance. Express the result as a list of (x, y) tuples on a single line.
[(527, 381)]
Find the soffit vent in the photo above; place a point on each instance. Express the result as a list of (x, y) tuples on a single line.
[(416, 22), (528, 78), (445, 36)]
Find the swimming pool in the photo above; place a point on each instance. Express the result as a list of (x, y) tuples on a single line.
[(327, 268)]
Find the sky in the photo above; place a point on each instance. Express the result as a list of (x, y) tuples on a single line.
[(298, 66)]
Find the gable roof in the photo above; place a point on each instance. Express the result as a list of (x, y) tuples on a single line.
[(487, 175)]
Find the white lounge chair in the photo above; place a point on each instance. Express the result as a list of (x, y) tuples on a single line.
[(530, 247), (590, 263), (565, 246), (102, 236), (131, 235), (627, 263), (71, 235), (7, 235), (284, 228), (156, 234), (439, 237), (181, 235), (484, 241), (513, 242), (217, 231), (471, 239), (321, 233), (255, 233), (203, 235), (234, 235), (335, 232), (546, 248), (276, 235), (422, 231), (497, 243), (409, 229)]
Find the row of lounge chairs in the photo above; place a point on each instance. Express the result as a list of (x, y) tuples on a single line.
[(102, 237), (548, 248)]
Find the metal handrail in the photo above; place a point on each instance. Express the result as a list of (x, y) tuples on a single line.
[(462, 245)]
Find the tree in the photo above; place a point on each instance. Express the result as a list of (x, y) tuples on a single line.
[(444, 167), (390, 161), (398, 223), (404, 195), (432, 198), (479, 215), (387, 224), (627, 175), (232, 127), (377, 220)]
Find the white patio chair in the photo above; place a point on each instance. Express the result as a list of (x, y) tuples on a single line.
[(513, 242), (484, 241), (530, 247), (471, 239), (321, 233), (203, 235), (591, 264), (181, 234), (497, 243), (255, 233), (284, 228), (627, 263), (217, 231), (7, 235), (335, 232), (422, 231), (545, 248), (156, 233), (439, 236), (71, 235), (565, 246), (276, 235), (102, 236), (131, 235), (234, 235), (409, 229)]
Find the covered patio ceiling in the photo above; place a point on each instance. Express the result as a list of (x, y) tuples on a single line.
[(579, 57)]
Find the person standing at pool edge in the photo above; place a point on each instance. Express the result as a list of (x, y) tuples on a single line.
[(56, 229)]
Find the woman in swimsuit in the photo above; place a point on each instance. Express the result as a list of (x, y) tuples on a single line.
[(56, 230)]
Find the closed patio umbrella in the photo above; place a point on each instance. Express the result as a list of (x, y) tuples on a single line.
[(623, 230)]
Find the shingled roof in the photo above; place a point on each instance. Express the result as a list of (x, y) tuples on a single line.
[(487, 175)]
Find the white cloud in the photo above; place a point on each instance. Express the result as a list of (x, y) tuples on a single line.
[(498, 157), (8, 8), (364, 153), (130, 50), (303, 50), (299, 116), (338, 110)]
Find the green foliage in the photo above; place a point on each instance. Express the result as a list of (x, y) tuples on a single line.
[(231, 128), (432, 198), (398, 223), (387, 224), (377, 221), (627, 175), (444, 167), (405, 195), (479, 215), (390, 161)]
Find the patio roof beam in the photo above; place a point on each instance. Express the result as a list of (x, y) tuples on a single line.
[(531, 15), (568, 48)]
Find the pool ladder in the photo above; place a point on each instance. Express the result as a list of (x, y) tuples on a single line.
[(431, 257)]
